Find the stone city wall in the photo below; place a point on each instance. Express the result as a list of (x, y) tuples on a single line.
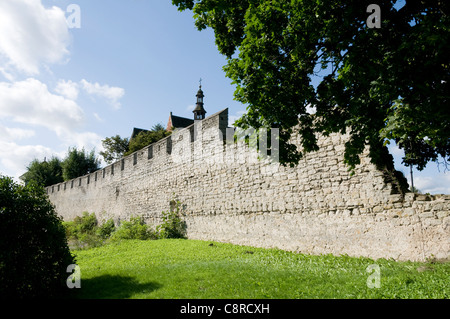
[(228, 195)]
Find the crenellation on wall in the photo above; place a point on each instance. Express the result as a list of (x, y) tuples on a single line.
[(230, 195)]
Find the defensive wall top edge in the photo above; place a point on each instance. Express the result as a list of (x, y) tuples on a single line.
[(221, 123)]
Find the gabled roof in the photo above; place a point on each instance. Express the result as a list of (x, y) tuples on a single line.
[(178, 121), (136, 131)]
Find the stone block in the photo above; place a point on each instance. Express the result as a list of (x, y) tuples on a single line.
[(426, 215), (446, 222), (442, 214), (377, 209), (440, 206), (395, 198), (431, 222), (409, 212), (410, 196)]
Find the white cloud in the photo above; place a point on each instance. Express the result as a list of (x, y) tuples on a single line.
[(71, 89), (88, 140), (112, 94), (30, 102), (68, 89), (15, 158), (430, 180), (12, 134), (432, 184), (31, 36)]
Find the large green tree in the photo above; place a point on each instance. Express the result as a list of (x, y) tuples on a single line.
[(114, 148), (145, 138), (76, 163), (79, 163), (44, 173), (378, 84)]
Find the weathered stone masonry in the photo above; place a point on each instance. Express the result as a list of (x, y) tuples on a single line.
[(228, 195)]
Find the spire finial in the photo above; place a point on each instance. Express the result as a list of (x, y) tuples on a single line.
[(200, 82)]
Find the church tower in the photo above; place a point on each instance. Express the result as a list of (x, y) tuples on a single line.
[(199, 111)]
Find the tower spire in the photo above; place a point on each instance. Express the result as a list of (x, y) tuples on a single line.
[(199, 111)]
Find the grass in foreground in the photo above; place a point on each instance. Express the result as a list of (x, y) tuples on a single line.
[(177, 268)]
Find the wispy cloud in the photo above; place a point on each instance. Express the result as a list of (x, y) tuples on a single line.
[(111, 94), (98, 118), (69, 89)]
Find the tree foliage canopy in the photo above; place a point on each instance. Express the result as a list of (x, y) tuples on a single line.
[(34, 254), (79, 163), (76, 163), (145, 138), (377, 84), (114, 148), (44, 173)]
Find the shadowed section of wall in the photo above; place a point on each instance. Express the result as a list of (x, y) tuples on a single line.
[(230, 195)]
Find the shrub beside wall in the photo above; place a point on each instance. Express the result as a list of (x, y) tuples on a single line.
[(34, 253), (85, 231)]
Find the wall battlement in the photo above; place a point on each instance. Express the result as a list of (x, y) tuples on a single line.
[(228, 195)]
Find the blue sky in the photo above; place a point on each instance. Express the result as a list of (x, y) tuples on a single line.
[(128, 65)]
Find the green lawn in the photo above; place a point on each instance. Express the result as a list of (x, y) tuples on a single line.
[(178, 268)]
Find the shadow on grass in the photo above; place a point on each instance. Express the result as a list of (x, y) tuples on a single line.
[(113, 287)]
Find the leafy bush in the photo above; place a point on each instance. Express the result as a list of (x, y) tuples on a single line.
[(34, 253), (172, 225), (81, 225), (82, 231), (85, 232), (86, 223), (134, 229), (106, 229)]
